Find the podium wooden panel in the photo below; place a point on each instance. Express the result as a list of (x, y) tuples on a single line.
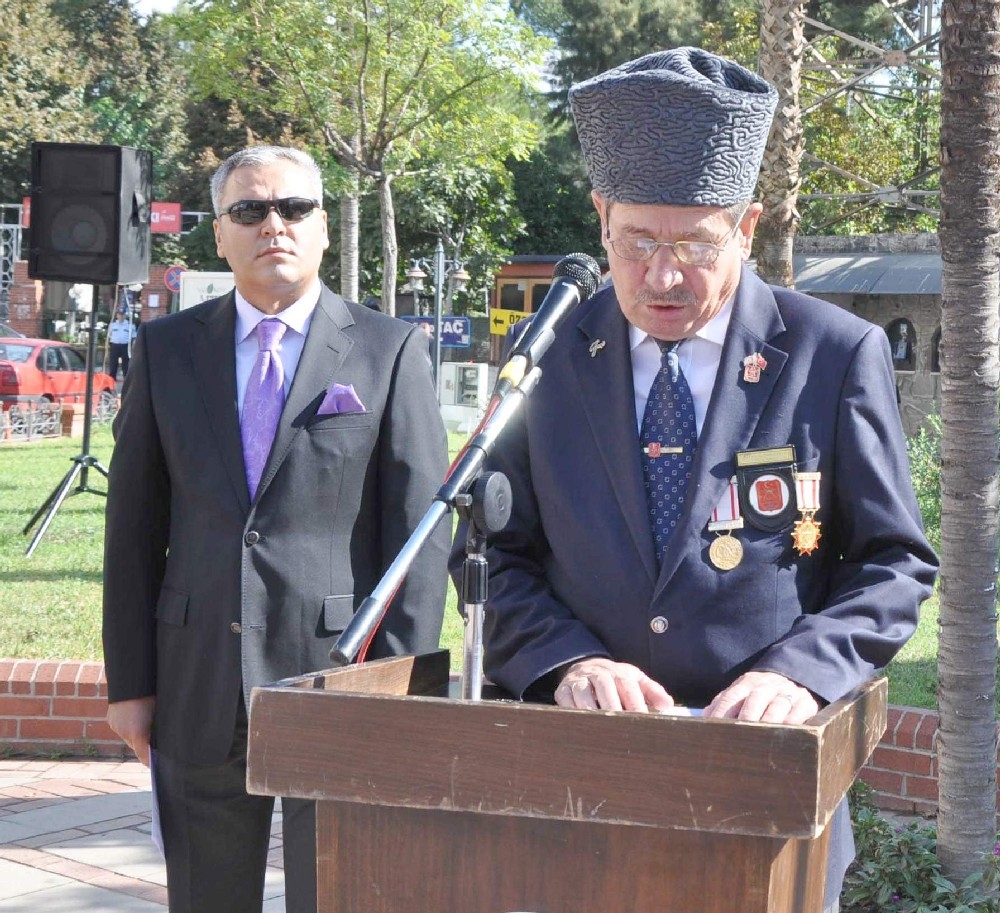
[(430, 804)]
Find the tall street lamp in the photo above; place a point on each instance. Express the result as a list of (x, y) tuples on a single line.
[(456, 276)]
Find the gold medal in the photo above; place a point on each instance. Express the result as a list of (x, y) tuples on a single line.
[(806, 534), (725, 552)]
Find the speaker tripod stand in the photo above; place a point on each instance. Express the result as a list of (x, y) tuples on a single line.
[(82, 462)]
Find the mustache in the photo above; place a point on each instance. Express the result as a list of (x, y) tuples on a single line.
[(681, 296)]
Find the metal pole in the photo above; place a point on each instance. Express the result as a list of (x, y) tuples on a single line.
[(438, 294), (91, 367)]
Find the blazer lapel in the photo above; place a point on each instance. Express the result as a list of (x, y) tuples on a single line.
[(213, 347), (734, 412), (602, 363), (324, 352)]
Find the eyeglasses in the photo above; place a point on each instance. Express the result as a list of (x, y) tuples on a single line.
[(693, 253), (253, 212)]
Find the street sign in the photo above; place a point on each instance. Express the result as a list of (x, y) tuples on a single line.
[(501, 320), (456, 332), (172, 277)]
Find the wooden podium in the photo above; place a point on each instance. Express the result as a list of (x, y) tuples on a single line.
[(429, 804)]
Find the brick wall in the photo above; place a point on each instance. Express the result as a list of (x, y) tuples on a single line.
[(50, 707), (55, 707)]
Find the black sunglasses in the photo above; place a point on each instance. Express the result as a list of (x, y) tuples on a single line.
[(252, 212)]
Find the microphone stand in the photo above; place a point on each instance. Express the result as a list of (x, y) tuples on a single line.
[(463, 474), (485, 509)]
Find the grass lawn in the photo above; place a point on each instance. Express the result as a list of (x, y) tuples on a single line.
[(50, 603)]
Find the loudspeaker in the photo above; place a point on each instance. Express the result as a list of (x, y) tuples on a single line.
[(90, 207)]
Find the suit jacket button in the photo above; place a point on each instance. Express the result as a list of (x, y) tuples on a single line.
[(252, 537), (659, 624), (236, 627)]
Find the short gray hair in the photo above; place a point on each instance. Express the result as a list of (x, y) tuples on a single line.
[(265, 155)]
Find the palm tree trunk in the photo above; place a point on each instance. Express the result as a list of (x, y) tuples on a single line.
[(782, 45), (970, 379)]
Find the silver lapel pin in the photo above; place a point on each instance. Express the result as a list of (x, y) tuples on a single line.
[(596, 347)]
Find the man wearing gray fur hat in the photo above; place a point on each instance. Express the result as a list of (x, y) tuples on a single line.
[(711, 497)]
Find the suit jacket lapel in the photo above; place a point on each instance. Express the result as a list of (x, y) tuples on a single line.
[(604, 375), (733, 414), (213, 344), (324, 352)]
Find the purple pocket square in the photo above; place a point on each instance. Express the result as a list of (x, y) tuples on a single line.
[(339, 399)]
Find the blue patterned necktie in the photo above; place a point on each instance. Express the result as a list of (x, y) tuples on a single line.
[(669, 437)]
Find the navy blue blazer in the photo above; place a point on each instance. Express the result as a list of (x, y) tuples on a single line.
[(574, 573)]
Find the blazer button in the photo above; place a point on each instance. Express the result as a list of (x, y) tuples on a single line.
[(252, 537), (236, 627), (659, 624)]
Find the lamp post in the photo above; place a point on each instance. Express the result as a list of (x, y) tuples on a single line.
[(456, 276)]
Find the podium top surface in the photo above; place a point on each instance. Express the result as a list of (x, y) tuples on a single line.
[(386, 733)]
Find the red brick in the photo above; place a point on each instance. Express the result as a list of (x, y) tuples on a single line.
[(66, 689), (897, 759), (892, 717), (8, 729), (926, 733), (921, 788), (885, 781), (51, 729), (12, 705), (906, 730), (90, 708), (6, 671), (46, 671), (43, 681), (910, 806), (90, 673)]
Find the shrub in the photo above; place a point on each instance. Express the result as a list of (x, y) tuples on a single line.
[(924, 451), (897, 870)]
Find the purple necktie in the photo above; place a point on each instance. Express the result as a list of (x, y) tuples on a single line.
[(263, 401)]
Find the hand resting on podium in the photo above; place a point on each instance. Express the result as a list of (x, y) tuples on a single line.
[(598, 683)]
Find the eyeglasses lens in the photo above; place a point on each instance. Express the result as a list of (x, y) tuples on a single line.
[(252, 212)]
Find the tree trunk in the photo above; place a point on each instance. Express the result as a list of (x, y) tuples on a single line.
[(390, 248), (970, 378), (350, 221), (349, 229), (782, 44)]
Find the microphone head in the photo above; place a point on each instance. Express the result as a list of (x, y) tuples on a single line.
[(581, 269)]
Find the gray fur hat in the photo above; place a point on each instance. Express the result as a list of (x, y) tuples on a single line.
[(681, 127)]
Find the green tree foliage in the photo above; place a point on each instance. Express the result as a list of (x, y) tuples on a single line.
[(42, 91), (599, 34), (134, 85), (553, 196), (386, 87)]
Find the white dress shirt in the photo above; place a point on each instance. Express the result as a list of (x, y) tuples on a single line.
[(699, 357)]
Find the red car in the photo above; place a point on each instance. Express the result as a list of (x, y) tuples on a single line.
[(44, 370)]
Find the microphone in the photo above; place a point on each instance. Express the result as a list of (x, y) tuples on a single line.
[(575, 279)]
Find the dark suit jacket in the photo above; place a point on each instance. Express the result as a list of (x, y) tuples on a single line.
[(207, 593), (574, 573)]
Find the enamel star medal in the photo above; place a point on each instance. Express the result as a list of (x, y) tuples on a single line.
[(726, 551), (806, 533)]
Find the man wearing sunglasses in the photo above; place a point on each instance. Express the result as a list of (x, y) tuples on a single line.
[(275, 449), (711, 497)]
